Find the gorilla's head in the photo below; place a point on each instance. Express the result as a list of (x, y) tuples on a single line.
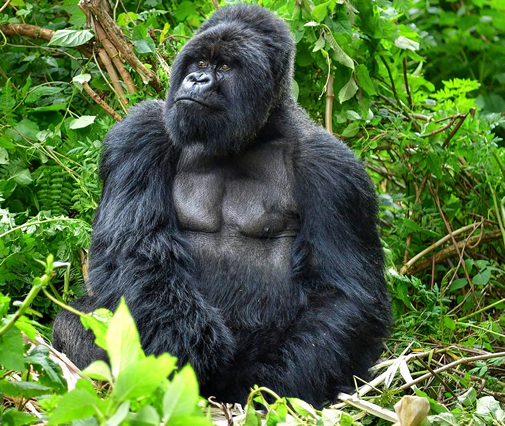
[(228, 78)]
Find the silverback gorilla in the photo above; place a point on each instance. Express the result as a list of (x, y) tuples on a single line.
[(241, 234)]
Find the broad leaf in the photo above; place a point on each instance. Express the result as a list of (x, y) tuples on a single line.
[(78, 404), (143, 376), (147, 416), (348, 91), (82, 122), (182, 396), (320, 12), (70, 38), (25, 390), (123, 341), (11, 350), (98, 370)]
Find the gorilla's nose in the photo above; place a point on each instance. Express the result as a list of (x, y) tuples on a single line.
[(198, 80)]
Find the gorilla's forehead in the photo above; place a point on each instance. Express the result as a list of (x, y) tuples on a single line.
[(226, 42)]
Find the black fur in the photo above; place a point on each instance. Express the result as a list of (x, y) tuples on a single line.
[(242, 235)]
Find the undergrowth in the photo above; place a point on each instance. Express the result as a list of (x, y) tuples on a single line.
[(417, 89)]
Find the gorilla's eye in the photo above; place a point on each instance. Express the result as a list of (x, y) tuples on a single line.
[(202, 63), (225, 67)]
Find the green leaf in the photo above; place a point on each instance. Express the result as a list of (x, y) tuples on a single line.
[(189, 420), (125, 19), (410, 224), (147, 416), (123, 341), (142, 41), (487, 406), (351, 130), (449, 323), (348, 91), (185, 10), (482, 278), (11, 350), (4, 156), (98, 370), (145, 45), (252, 418), (182, 395), (365, 82), (40, 91), (402, 293), (119, 415), (330, 417), (4, 143), (50, 372), (319, 44), (444, 419), (27, 128), (80, 403), (143, 376), (25, 390), (320, 12), (82, 122), (434, 164), (23, 177), (303, 408), (13, 417), (338, 53), (459, 283), (78, 18), (468, 398), (26, 326), (70, 38), (54, 107), (98, 321)]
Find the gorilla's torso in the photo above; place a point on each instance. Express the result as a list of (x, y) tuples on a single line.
[(240, 218)]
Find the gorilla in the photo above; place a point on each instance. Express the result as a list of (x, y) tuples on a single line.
[(242, 235)]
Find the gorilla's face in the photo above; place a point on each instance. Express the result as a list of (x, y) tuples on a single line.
[(226, 81)]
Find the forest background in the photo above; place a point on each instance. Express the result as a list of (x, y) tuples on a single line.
[(416, 88)]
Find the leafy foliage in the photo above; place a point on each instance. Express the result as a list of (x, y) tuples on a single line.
[(417, 89)]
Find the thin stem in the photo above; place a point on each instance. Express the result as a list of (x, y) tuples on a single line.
[(452, 365), (484, 309), (24, 306), (61, 304), (39, 222)]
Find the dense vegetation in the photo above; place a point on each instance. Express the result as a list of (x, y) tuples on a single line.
[(416, 88)]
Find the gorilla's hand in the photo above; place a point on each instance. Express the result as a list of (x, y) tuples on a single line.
[(175, 318)]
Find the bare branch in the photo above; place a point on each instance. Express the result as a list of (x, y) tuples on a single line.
[(99, 10), (328, 115), (452, 251), (106, 107), (4, 6)]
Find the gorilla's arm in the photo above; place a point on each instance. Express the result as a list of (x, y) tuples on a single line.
[(338, 260), (137, 251)]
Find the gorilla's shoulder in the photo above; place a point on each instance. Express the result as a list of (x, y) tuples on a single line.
[(322, 155), (143, 126), (136, 141)]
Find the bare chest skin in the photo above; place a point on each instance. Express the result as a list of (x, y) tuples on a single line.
[(240, 218), (248, 195)]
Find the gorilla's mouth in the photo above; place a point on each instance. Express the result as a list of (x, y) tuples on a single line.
[(196, 101)]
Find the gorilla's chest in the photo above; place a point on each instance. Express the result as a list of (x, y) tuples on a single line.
[(246, 196)]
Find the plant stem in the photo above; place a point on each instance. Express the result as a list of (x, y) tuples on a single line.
[(24, 306)]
